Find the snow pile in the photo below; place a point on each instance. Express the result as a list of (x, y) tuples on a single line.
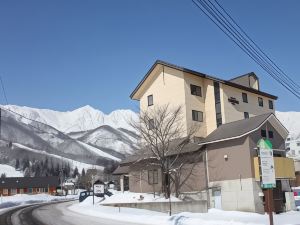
[(22, 199), (119, 214), (141, 216), (219, 217), (130, 197), (10, 171)]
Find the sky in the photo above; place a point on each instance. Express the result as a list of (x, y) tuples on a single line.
[(64, 54)]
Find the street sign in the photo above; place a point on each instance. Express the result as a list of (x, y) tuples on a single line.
[(267, 164), (98, 188)]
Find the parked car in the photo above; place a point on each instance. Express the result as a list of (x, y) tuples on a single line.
[(296, 191), (84, 194)]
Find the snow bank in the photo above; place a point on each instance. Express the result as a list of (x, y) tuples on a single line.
[(140, 216), (130, 197), (22, 199), (10, 171)]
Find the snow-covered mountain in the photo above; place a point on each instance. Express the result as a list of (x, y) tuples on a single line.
[(96, 139), (291, 121), (81, 119)]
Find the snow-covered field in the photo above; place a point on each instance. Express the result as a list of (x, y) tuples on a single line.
[(10, 171), (140, 216), (23, 199)]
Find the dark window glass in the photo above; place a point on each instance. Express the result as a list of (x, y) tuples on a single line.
[(151, 124), (271, 135), (271, 106), (196, 90), (246, 115), (217, 92), (260, 102), (263, 133), (150, 100), (153, 176), (245, 97), (197, 115)]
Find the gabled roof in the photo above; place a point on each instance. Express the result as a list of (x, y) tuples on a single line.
[(241, 128), (183, 69), (29, 182)]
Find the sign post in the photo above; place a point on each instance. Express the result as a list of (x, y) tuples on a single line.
[(268, 180)]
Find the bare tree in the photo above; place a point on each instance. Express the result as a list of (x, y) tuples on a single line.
[(164, 137)]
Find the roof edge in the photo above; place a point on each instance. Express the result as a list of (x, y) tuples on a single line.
[(183, 69)]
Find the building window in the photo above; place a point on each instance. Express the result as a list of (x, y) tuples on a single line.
[(271, 135), (150, 100), (260, 102), (293, 152), (5, 191), (46, 190), (287, 145), (263, 133), (151, 124), (196, 90), (246, 115), (218, 104), (153, 176), (288, 139), (197, 115), (13, 191), (298, 143), (245, 97), (30, 190), (271, 106)]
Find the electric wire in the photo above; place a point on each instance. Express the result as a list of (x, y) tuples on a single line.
[(256, 54)]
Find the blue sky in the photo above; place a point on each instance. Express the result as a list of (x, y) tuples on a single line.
[(63, 54)]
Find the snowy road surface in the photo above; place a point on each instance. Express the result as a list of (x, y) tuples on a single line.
[(51, 214)]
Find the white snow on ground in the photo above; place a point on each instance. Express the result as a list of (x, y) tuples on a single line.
[(73, 163), (10, 171), (130, 197), (22, 199), (140, 216), (125, 214)]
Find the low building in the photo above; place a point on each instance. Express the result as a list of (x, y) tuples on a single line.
[(28, 185), (229, 167)]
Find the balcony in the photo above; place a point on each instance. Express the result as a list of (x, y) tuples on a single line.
[(284, 168)]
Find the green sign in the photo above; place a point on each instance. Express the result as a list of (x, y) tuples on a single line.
[(266, 164)]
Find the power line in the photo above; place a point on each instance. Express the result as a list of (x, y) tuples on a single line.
[(246, 44)]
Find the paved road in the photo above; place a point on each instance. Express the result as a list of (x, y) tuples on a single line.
[(51, 214)]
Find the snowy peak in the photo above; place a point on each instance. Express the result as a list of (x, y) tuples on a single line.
[(291, 121), (81, 119)]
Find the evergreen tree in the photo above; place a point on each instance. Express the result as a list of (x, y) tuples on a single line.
[(3, 175), (83, 172), (75, 172), (17, 164)]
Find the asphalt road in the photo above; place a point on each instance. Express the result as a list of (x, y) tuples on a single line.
[(51, 214)]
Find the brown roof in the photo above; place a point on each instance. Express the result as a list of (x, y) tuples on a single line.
[(29, 182), (238, 128), (189, 147), (121, 170), (229, 83)]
